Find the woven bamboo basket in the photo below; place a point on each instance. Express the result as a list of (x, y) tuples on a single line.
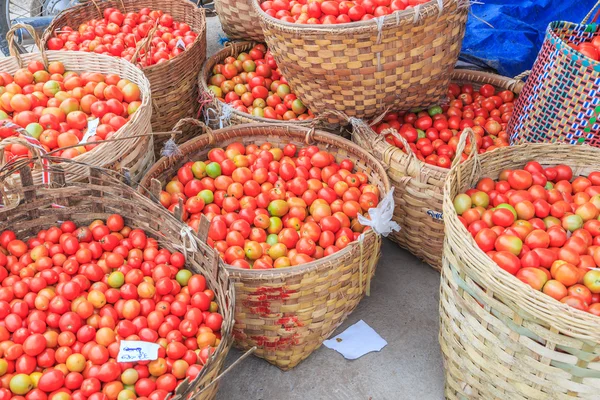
[(88, 193), (238, 20), (135, 155), (500, 338), (419, 186), (173, 83), (288, 312), (403, 60), (218, 114)]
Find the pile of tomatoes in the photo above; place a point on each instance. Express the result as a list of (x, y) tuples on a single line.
[(589, 48), (334, 11), (433, 135), (253, 84), (271, 207), (119, 34), (71, 294), (55, 107), (543, 226)]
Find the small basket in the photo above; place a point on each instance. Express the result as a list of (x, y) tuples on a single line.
[(419, 186), (87, 193), (173, 83), (403, 60), (135, 155), (218, 114), (560, 101), (287, 313), (501, 338), (238, 20)]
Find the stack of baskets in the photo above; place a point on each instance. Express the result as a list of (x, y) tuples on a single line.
[(238, 20), (173, 83), (135, 155), (288, 312)]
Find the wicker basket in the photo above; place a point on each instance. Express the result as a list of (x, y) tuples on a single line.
[(238, 20), (501, 338), (288, 312), (100, 195), (218, 114), (402, 60), (135, 155), (419, 186), (173, 83), (559, 102)]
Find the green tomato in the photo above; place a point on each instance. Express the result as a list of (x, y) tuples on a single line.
[(549, 185), (249, 66), (34, 129), (462, 203), (572, 222), (435, 110), (551, 221), (207, 196), (116, 279), (3, 366), (213, 169), (298, 107), (199, 169), (272, 239), (421, 134), (183, 276), (4, 115), (217, 91), (283, 90), (275, 225), (258, 112), (278, 208), (480, 199), (508, 207), (20, 384)]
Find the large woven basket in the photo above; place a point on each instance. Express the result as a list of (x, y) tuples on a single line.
[(288, 312), (173, 83), (419, 186), (403, 60), (218, 114), (560, 101), (500, 338), (30, 207), (135, 155), (238, 20)]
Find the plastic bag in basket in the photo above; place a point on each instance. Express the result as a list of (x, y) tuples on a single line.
[(381, 216)]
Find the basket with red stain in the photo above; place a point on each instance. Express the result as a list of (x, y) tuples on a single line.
[(286, 312)]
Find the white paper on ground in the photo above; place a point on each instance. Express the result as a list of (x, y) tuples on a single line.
[(356, 341)]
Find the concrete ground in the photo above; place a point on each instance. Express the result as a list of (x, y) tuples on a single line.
[(402, 308)]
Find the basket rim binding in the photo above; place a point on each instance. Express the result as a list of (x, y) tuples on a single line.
[(552, 37)]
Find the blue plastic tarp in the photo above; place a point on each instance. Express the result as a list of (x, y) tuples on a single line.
[(511, 44)]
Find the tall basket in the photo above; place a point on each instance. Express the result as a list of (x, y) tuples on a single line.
[(238, 20)]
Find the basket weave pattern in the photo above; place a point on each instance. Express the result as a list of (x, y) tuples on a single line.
[(135, 155), (402, 60), (288, 312), (173, 83), (238, 20), (99, 196), (419, 186), (561, 94), (500, 338), (218, 114)]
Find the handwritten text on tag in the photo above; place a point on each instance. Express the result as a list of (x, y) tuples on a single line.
[(134, 350)]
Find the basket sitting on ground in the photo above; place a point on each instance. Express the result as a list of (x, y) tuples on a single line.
[(135, 155), (419, 186), (218, 114), (30, 207), (403, 60), (288, 312), (238, 20), (173, 83), (500, 338)]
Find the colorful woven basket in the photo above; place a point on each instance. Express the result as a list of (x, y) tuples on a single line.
[(561, 99)]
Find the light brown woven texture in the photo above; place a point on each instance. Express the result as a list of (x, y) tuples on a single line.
[(213, 109), (403, 60), (500, 338), (288, 312), (239, 20), (173, 83), (135, 155), (419, 186), (96, 194)]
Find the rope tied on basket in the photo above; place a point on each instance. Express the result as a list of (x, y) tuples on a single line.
[(187, 235), (226, 111), (170, 148)]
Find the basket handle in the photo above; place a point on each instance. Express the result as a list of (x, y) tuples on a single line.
[(238, 47), (194, 122), (145, 44), (467, 133), (10, 38), (100, 10), (589, 15)]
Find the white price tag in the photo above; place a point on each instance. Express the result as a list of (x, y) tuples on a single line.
[(134, 350), (91, 129), (180, 44)]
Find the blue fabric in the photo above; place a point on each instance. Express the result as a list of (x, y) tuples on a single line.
[(512, 45)]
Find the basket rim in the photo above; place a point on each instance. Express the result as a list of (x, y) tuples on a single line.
[(432, 7), (143, 84), (497, 274), (551, 35), (48, 32), (216, 58), (316, 265)]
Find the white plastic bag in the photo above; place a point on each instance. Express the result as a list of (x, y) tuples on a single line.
[(381, 216)]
